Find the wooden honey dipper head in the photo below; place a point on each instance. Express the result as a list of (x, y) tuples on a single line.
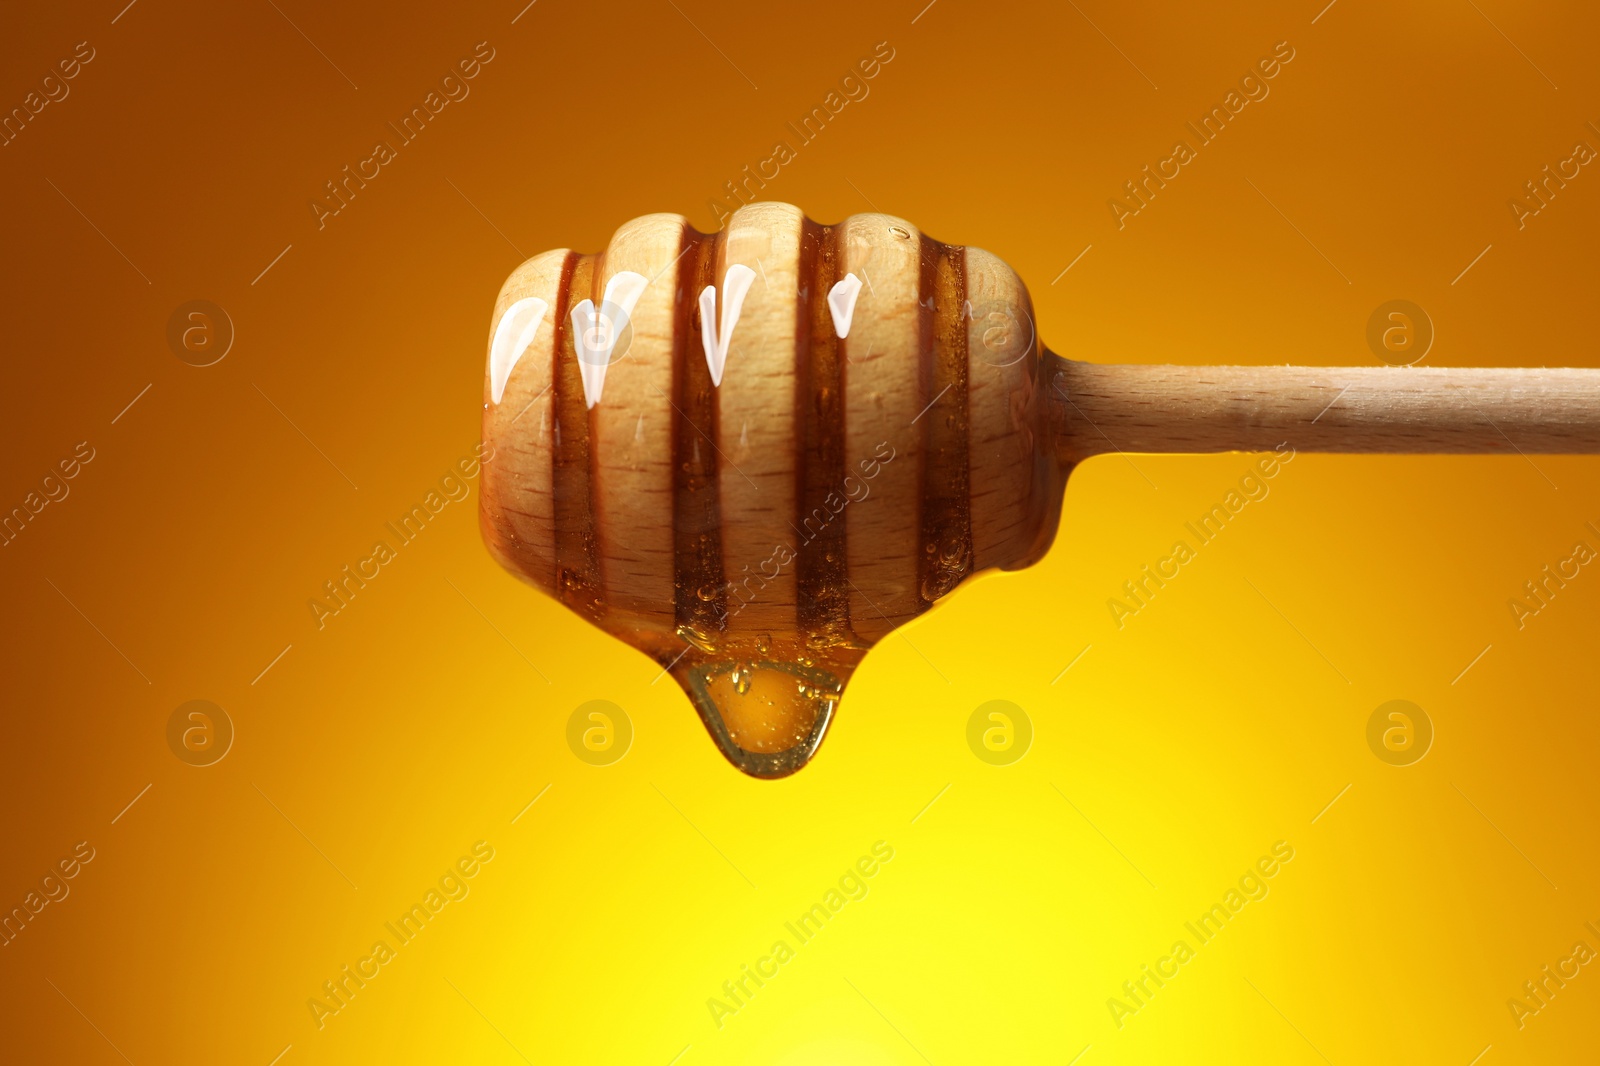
[(756, 495), (753, 454)]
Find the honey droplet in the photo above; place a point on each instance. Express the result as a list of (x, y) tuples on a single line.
[(768, 717)]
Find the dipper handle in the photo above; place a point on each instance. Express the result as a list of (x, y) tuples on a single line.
[(1104, 408)]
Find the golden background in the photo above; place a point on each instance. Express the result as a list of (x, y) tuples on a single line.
[(373, 753)]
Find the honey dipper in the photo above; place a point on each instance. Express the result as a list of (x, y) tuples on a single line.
[(753, 454)]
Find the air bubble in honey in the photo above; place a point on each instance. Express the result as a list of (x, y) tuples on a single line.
[(700, 640)]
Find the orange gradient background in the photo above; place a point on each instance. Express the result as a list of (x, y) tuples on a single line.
[(377, 750)]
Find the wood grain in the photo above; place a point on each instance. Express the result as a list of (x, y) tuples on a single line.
[(517, 509), (1011, 496), (632, 425), (756, 417), (883, 390), (1437, 410)]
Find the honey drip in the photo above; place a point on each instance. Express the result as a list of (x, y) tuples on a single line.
[(768, 717)]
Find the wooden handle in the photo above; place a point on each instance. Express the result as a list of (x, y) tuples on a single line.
[(1129, 408)]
